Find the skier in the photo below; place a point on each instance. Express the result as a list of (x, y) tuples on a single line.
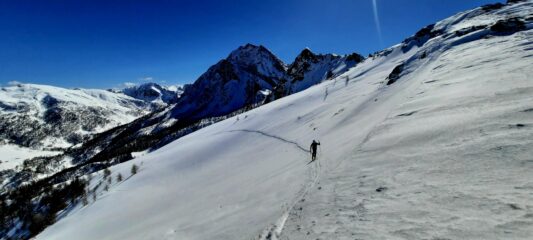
[(312, 148)]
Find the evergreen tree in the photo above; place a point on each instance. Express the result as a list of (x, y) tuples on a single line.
[(134, 169)]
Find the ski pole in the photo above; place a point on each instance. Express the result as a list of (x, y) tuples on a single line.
[(320, 148)]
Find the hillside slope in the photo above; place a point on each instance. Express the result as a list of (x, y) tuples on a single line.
[(429, 139), (40, 120), (34, 115)]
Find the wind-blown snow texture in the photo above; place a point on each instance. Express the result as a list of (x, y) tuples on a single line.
[(442, 152)]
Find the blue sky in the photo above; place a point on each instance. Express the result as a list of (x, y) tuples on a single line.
[(103, 44)]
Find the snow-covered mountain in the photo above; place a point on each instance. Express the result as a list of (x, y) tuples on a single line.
[(154, 93), (252, 74), (232, 83), (41, 120), (428, 139), (309, 68), (38, 116)]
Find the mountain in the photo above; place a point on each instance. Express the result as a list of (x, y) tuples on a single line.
[(232, 83), (154, 93), (42, 121), (252, 74), (432, 133), (40, 116), (309, 68)]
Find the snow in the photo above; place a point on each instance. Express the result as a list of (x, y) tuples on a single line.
[(443, 153), (153, 93), (138, 154), (12, 155), (452, 160), (32, 94), (31, 100)]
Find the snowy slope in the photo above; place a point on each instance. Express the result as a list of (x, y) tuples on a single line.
[(39, 115), (33, 94), (443, 152), (12, 155)]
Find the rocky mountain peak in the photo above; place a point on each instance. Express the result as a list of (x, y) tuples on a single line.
[(256, 55), (306, 54)]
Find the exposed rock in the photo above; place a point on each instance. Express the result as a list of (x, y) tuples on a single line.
[(395, 74), (422, 36), (490, 7), (507, 26)]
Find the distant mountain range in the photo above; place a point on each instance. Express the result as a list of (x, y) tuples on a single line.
[(40, 116)]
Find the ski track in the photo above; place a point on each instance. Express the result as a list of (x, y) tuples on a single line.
[(336, 195), (271, 136), (273, 232), (345, 210)]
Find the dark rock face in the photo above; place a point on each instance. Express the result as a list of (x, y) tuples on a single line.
[(226, 72), (426, 31), (507, 26), (468, 30), (395, 74), (49, 101), (355, 57), (490, 7), (382, 53), (421, 37), (302, 63), (515, 1)]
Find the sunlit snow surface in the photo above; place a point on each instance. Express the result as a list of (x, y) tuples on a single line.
[(12, 155), (443, 153)]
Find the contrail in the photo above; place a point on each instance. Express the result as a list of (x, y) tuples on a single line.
[(376, 20)]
